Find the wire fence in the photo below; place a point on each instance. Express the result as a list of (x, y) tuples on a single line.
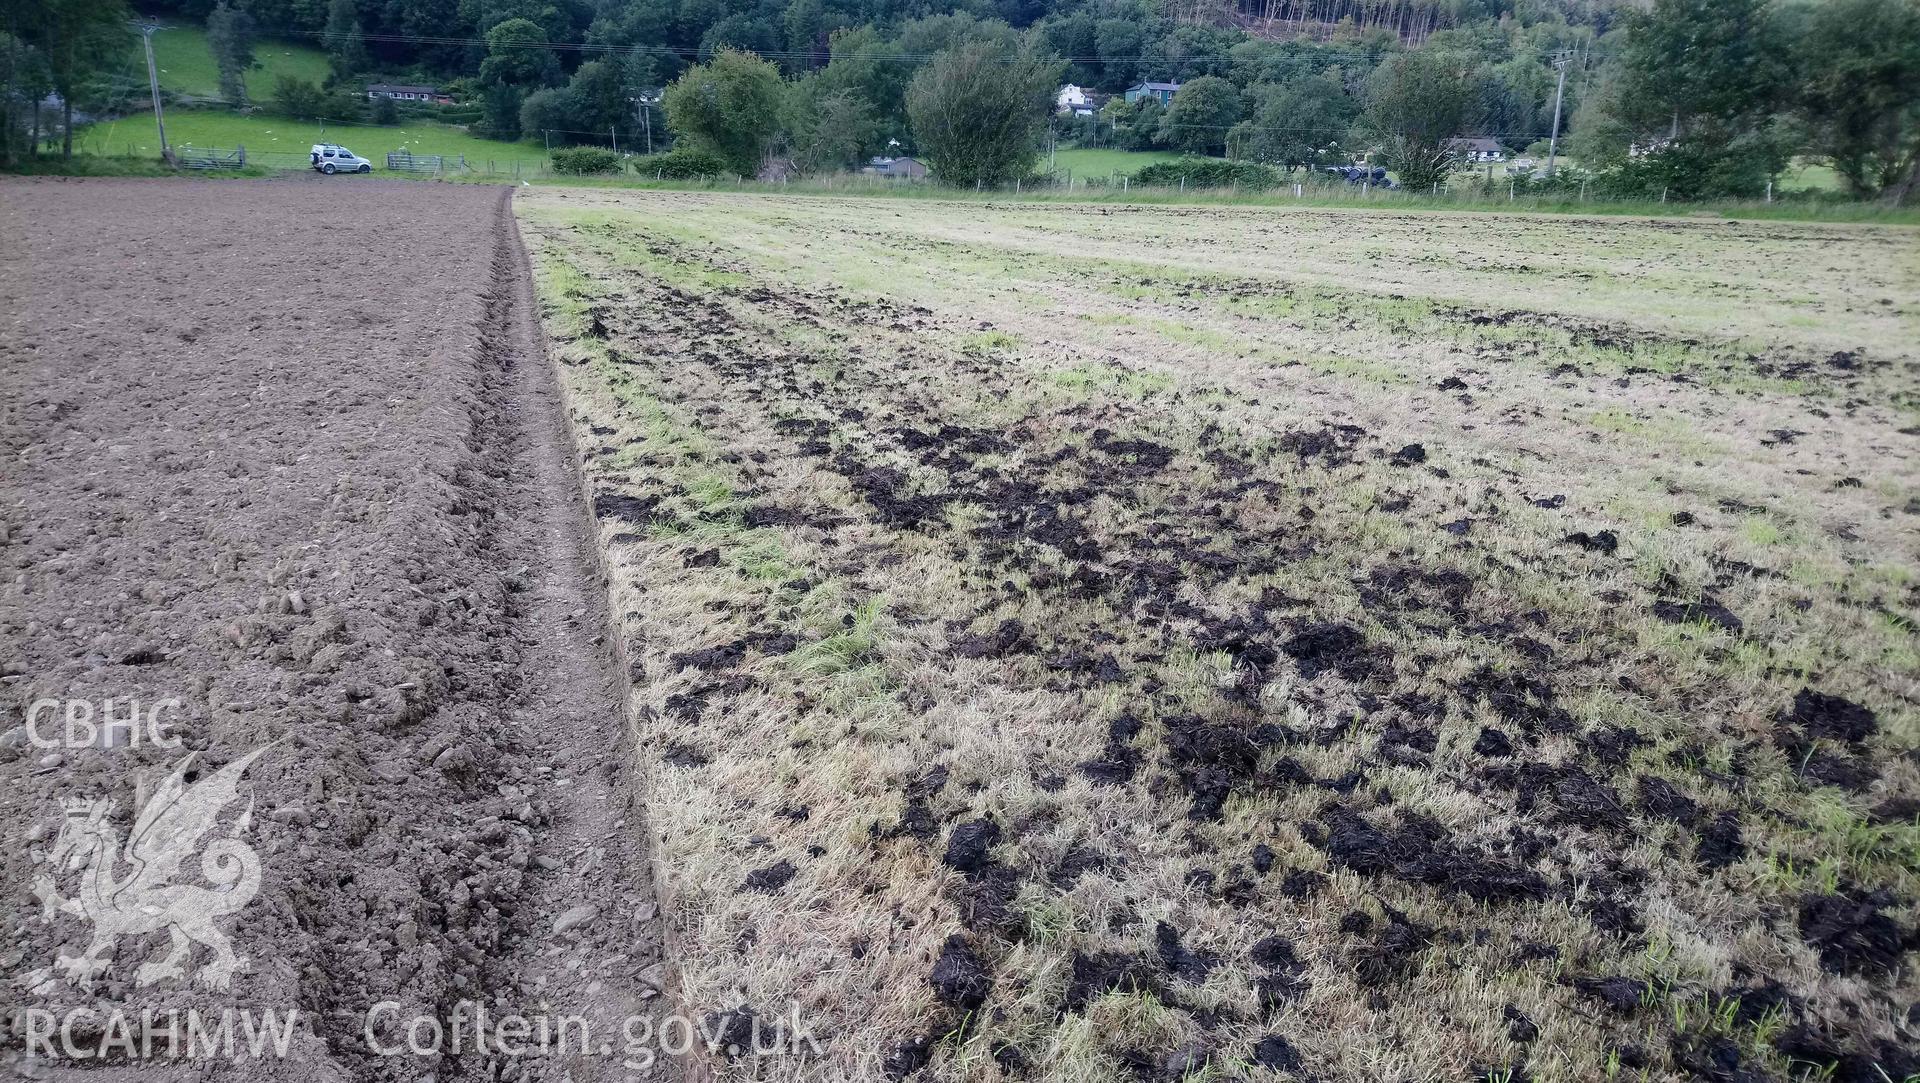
[(1516, 192)]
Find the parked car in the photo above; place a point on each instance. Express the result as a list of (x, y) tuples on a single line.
[(331, 158)]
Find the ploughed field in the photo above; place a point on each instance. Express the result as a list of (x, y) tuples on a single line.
[(1084, 642), (321, 534)]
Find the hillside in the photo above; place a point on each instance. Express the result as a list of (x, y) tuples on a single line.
[(186, 64)]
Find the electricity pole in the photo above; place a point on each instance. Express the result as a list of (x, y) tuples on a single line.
[(1561, 60), (645, 112), (153, 81)]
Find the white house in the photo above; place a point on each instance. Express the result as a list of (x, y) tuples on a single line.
[(1070, 99), (402, 93), (1479, 149)]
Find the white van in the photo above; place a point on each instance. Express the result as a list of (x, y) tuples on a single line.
[(330, 158)]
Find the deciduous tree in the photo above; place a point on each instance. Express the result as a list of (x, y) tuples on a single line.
[(829, 130), (77, 39), (1859, 91), (729, 106), (1418, 103), (1704, 87), (344, 40), (518, 55), (500, 110), (230, 39), (1303, 123), (978, 112), (299, 98), (1203, 110)]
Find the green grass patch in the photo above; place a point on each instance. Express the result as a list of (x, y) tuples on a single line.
[(94, 165), (1104, 161), (134, 135), (186, 64), (1116, 378), (991, 342)]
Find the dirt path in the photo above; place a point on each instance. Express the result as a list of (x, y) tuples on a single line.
[(286, 466), (574, 707)]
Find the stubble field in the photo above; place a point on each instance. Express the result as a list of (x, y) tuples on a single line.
[(1083, 642)]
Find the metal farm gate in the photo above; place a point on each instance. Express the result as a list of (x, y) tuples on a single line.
[(191, 157), (401, 161)]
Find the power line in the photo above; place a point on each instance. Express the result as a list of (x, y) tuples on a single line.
[(1318, 52), (1529, 136)]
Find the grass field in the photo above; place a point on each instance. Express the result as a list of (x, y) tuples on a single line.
[(186, 65), (220, 128), (1094, 641), (1105, 161)]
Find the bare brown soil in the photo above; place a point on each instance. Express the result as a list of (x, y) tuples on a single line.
[(289, 452)]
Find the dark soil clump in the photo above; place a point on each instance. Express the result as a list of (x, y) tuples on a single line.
[(1853, 933), (1421, 850), (771, 879), (1706, 610), (1275, 1052), (1493, 743), (1392, 957), (1108, 972), (1184, 963), (1619, 994), (1605, 541), (1589, 803), (1338, 647), (1820, 715), (968, 845), (1664, 800), (1720, 843), (960, 979)]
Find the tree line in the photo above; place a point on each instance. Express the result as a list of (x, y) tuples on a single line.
[(1682, 98)]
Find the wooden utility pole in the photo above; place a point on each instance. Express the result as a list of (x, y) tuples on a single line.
[(1562, 60), (153, 82)]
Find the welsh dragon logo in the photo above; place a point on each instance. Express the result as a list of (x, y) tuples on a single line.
[(145, 898)]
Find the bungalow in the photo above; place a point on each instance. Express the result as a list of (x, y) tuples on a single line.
[(1160, 92), (1479, 149), (910, 168), (402, 93)]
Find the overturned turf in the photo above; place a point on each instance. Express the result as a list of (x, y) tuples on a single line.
[(1175, 669)]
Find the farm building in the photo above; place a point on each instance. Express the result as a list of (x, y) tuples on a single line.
[(910, 168), (1480, 149), (403, 93), (1161, 92)]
